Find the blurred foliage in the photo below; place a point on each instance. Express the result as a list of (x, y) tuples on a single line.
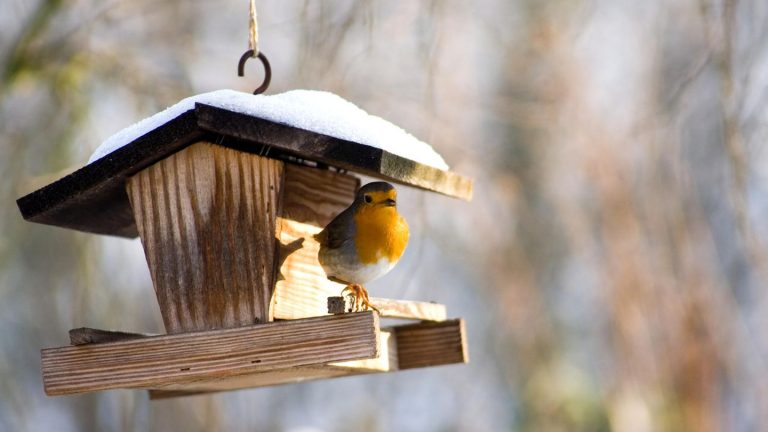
[(611, 267)]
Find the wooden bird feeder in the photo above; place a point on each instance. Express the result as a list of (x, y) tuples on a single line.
[(221, 201)]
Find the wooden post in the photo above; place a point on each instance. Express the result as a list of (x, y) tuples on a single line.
[(207, 220)]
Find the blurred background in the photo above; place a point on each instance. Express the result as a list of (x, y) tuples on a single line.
[(611, 267)]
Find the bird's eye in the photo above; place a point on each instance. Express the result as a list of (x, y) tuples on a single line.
[(368, 199)]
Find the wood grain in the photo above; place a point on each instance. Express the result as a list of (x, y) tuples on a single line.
[(386, 361), (336, 152), (407, 347), (400, 347), (207, 216), (312, 198), (292, 375), (305, 288), (431, 344), (315, 196), (161, 361), (390, 308)]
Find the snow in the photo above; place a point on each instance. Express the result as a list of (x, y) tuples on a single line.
[(316, 111)]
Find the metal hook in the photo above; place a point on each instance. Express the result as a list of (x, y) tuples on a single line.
[(267, 69)]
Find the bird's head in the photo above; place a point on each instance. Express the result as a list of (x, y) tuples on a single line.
[(377, 195)]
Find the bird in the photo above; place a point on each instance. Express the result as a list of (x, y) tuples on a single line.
[(364, 241)]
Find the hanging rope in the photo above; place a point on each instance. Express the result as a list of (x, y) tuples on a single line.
[(253, 52), (253, 30)]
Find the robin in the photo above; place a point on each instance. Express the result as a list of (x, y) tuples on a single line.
[(364, 241)]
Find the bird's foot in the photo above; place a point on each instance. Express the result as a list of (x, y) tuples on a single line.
[(359, 296)]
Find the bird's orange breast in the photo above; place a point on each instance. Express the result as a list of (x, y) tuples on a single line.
[(381, 233)]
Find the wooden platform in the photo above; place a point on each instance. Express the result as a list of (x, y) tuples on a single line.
[(402, 348), (262, 355)]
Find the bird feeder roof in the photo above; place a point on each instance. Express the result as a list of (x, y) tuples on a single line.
[(93, 198)]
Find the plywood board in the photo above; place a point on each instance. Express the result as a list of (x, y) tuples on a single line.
[(386, 361), (207, 217), (161, 361)]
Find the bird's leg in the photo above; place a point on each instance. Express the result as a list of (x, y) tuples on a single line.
[(365, 300), (352, 294), (359, 296)]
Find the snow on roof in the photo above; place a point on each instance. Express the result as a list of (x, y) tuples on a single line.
[(316, 111)]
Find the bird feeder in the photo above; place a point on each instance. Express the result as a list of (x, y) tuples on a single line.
[(225, 203)]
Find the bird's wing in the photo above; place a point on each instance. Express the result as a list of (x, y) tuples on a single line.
[(337, 232)]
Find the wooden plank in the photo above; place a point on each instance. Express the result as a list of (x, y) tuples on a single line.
[(386, 361), (207, 217), (425, 177), (293, 375), (390, 308), (431, 344), (315, 196), (401, 347), (162, 361), (93, 198), (407, 347), (333, 151)]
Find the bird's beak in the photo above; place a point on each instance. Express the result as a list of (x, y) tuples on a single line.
[(389, 202)]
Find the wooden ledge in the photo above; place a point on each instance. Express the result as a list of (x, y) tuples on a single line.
[(402, 348), (217, 361), (158, 361), (431, 344), (389, 308)]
